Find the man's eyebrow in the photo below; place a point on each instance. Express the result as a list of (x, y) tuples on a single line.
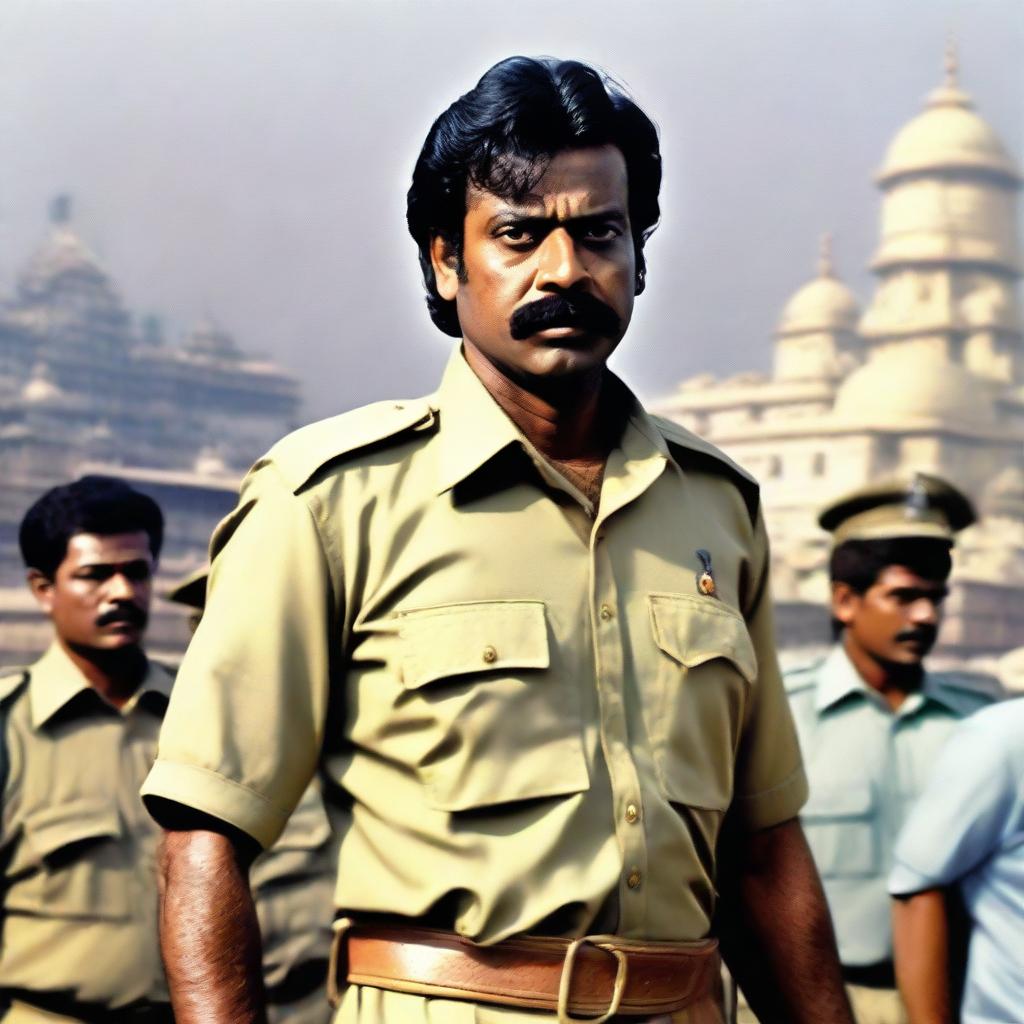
[(129, 563), (526, 214)]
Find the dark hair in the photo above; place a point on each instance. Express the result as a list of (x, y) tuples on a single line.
[(501, 137), (102, 505), (858, 563)]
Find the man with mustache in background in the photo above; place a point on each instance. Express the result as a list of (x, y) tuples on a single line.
[(523, 627), (871, 719), (78, 733)]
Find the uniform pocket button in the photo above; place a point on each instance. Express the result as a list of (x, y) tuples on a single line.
[(490, 655)]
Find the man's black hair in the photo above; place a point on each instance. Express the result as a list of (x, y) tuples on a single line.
[(501, 136), (859, 563), (103, 505)]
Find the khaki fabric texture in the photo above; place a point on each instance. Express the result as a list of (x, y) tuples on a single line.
[(538, 718), (78, 848), (293, 886), (361, 1005)]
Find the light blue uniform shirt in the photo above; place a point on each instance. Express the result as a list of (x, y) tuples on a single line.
[(866, 765), (968, 828)]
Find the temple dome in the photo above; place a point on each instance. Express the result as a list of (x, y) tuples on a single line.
[(905, 389), (824, 304), (948, 136)]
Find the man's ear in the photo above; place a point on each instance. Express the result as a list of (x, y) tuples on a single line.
[(42, 589), (445, 261), (845, 602)]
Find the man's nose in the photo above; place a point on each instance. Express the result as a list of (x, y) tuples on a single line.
[(558, 261), (925, 612), (120, 588)]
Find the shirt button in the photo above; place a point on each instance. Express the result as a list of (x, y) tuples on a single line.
[(606, 613), (634, 879), (490, 654), (631, 813)]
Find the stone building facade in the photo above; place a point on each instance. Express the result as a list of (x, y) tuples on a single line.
[(84, 388), (927, 376)]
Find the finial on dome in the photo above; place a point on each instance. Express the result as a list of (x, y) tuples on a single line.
[(952, 62), (60, 209), (826, 268)]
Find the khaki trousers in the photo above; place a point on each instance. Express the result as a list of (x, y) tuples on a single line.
[(363, 1005)]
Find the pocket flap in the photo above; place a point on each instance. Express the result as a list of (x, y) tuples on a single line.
[(849, 801), (50, 829), (482, 636), (693, 630)]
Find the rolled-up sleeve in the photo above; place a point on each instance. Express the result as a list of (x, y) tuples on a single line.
[(771, 786), (245, 722)]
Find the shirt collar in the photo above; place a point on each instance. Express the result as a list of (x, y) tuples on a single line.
[(838, 679), (474, 428), (55, 680)]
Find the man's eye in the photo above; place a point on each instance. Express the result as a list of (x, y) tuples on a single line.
[(602, 233), (516, 234)]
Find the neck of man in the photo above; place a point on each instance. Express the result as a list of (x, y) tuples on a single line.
[(561, 420), (114, 675), (893, 681)]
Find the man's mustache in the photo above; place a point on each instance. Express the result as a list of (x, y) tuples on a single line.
[(574, 309), (127, 614), (923, 635)]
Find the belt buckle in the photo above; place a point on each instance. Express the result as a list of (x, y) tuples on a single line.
[(565, 983), (335, 964)]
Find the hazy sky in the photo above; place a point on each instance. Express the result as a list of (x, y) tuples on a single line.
[(249, 160)]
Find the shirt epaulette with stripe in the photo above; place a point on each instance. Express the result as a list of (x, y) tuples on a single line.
[(302, 453), (802, 677)]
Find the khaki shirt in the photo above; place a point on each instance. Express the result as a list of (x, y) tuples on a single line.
[(538, 719), (77, 847)]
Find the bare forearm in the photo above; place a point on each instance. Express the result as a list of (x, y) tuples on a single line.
[(776, 932), (921, 942), (209, 933)]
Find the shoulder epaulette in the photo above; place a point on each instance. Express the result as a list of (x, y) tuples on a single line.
[(10, 679), (802, 677), (982, 687), (704, 455), (303, 452)]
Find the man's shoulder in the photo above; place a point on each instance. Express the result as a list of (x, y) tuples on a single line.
[(691, 451), (301, 454), (969, 690), (802, 678), (12, 677)]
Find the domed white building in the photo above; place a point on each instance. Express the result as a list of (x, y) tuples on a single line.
[(928, 377)]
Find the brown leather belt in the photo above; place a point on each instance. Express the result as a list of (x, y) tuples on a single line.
[(597, 975)]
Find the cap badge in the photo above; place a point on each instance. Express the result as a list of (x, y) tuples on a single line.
[(706, 578), (916, 504)]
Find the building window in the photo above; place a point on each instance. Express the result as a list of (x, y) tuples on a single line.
[(818, 464)]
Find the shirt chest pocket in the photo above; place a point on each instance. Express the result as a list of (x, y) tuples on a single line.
[(487, 722), (839, 822), (79, 865), (700, 691)]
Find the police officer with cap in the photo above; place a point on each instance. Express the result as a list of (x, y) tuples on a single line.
[(871, 719)]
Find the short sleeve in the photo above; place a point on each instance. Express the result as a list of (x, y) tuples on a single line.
[(243, 730), (770, 786), (962, 816)]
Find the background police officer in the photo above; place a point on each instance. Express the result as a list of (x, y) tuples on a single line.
[(871, 719), (79, 733)]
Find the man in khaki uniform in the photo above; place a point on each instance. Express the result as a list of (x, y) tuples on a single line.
[(292, 884), (78, 733), (525, 628)]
